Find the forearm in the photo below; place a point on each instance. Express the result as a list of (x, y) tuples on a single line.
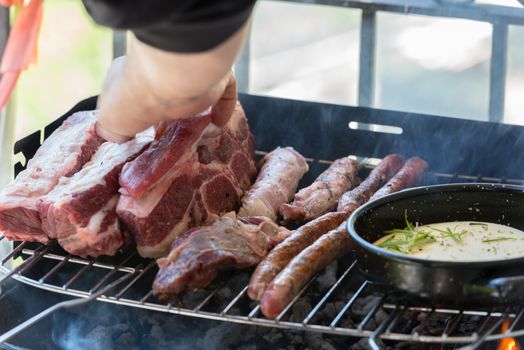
[(182, 76)]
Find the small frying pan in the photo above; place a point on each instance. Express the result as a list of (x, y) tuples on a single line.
[(467, 283)]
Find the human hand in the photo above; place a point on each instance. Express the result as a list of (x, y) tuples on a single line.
[(128, 105)]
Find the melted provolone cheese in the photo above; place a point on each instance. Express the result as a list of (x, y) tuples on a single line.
[(460, 241)]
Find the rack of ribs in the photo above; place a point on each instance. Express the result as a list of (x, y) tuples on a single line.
[(61, 155), (80, 212)]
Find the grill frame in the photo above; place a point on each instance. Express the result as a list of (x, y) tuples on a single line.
[(302, 113)]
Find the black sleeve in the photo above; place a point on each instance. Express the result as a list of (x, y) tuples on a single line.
[(174, 25)]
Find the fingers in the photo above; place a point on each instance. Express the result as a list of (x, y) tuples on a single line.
[(109, 135), (224, 107), (127, 106), (122, 110)]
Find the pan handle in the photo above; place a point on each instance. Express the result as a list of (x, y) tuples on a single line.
[(511, 287)]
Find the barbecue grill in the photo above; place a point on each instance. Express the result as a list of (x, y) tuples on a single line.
[(457, 151)]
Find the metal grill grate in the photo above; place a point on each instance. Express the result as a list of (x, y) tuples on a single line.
[(126, 279)]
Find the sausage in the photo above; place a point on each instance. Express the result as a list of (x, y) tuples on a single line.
[(301, 238), (323, 194), (327, 248), (278, 258), (276, 183), (305, 265), (353, 199), (409, 175)]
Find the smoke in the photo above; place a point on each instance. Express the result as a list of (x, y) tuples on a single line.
[(101, 326), (450, 145)]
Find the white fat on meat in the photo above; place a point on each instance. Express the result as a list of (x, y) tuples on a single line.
[(142, 207), (105, 159), (90, 239), (41, 175), (96, 220)]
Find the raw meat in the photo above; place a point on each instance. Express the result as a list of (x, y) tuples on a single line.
[(62, 154), (384, 171), (276, 184), (329, 247), (323, 194), (81, 210), (200, 254), (409, 175), (191, 174)]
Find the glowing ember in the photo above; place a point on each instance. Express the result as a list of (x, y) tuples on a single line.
[(508, 343)]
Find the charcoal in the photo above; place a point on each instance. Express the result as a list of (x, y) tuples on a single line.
[(362, 306), (193, 298), (224, 294), (214, 336), (411, 346), (122, 327), (234, 311), (157, 333), (125, 341), (362, 344), (406, 323), (346, 323), (99, 338), (340, 304), (370, 325), (380, 316), (328, 313), (273, 337), (295, 338), (348, 295), (171, 328), (133, 329), (225, 336), (468, 325), (300, 310), (421, 317), (247, 347), (317, 341), (432, 324), (263, 330), (328, 278)]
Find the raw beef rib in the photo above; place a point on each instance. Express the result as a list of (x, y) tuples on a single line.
[(191, 174), (62, 154), (81, 210)]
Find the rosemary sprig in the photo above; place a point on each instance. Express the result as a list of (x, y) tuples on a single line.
[(497, 239), (409, 225), (483, 225), (403, 240), (457, 237)]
